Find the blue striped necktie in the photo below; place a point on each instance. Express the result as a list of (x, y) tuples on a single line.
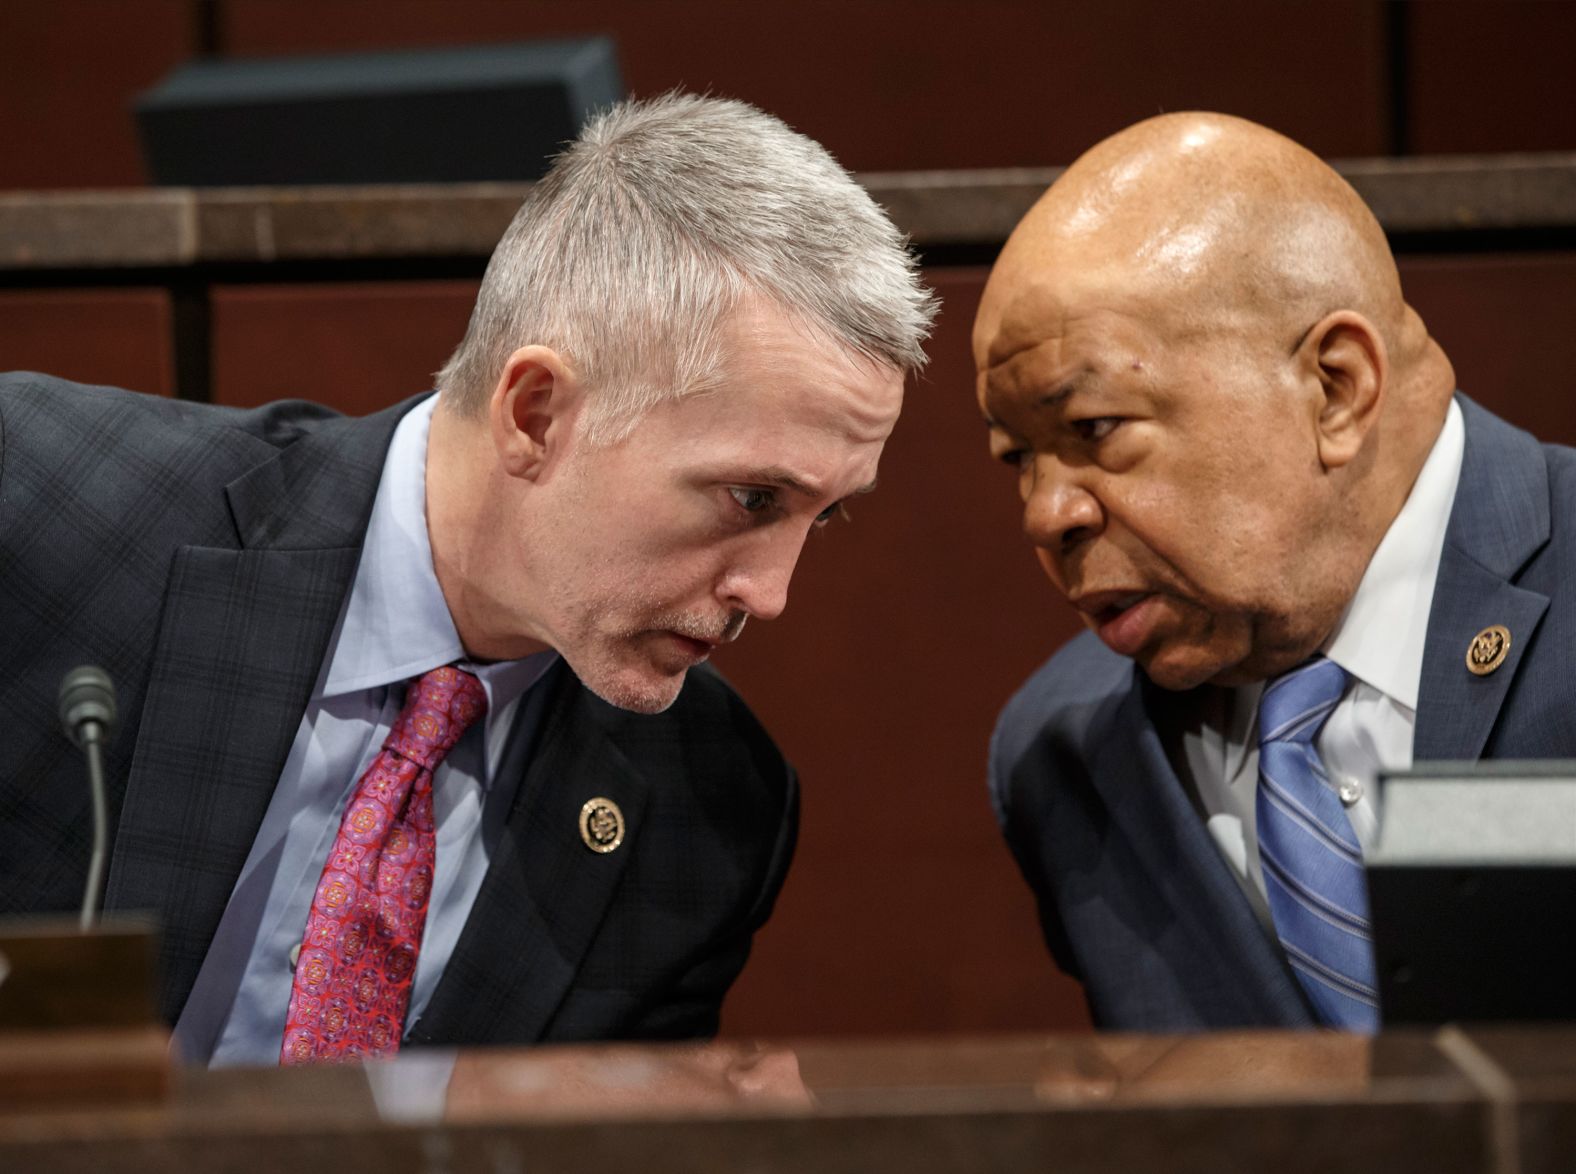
[(1313, 865)]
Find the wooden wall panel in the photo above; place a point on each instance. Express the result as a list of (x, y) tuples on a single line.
[(115, 336), (1492, 77), (356, 346), (889, 84), (1505, 322), (906, 630), (68, 72)]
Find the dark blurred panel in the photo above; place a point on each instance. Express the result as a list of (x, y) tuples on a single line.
[(907, 629), (893, 84), (1505, 322), (1493, 76), (120, 336), (68, 70), (394, 116), (356, 346)]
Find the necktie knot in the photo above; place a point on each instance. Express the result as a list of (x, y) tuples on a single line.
[(1296, 705), (440, 705)]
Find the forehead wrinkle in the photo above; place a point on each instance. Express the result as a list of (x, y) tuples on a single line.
[(1025, 326), (1019, 375)]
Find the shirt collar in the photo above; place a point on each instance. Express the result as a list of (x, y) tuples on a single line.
[(396, 624), (1380, 637)]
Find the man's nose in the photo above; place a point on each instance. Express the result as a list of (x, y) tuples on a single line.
[(757, 582), (1059, 511)]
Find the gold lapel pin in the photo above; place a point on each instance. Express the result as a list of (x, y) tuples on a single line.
[(1488, 649), (601, 825)]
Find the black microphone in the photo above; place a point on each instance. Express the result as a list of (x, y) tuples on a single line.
[(87, 711)]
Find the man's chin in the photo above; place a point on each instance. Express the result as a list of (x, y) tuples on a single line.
[(1200, 648), (1180, 671), (635, 691)]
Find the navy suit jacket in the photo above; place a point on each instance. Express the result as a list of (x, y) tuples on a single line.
[(1135, 899), (201, 555)]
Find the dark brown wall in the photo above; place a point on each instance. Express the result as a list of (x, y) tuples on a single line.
[(887, 84), (359, 346), (919, 83), (1492, 77), (908, 627), (115, 336), (1504, 320), (68, 71)]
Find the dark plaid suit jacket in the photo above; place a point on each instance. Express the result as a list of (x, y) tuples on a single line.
[(201, 556)]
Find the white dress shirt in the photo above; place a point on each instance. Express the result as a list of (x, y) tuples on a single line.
[(394, 626), (1379, 641)]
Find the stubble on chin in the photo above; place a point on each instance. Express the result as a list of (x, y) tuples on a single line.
[(623, 677), (636, 698), (625, 670)]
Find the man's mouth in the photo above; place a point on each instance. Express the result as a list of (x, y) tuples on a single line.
[(1100, 606), (1123, 620), (697, 639), (698, 649)]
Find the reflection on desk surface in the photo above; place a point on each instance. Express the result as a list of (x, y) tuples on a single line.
[(827, 1079), (730, 1078)]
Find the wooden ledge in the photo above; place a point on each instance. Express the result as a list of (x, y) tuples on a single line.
[(179, 227)]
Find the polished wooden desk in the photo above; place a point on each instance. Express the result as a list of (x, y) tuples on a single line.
[(1491, 1100)]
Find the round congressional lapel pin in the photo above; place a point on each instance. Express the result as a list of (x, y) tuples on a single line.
[(1488, 649), (601, 825)]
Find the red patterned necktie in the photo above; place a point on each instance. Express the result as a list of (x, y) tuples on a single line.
[(352, 979)]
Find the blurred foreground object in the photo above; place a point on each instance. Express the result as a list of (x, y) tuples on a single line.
[(1473, 884), (77, 1018)]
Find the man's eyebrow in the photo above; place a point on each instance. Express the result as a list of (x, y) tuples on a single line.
[(1066, 385), (782, 478), (1051, 399)]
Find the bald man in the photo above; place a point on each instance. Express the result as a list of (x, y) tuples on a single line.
[(1301, 554)]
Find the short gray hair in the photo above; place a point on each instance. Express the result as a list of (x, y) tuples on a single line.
[(629, 255)]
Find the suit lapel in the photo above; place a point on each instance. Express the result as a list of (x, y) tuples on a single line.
[(1500, 519), (1185, 870), (240, 645), (539, 910)]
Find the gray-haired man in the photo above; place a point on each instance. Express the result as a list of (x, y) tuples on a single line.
[(403, 751)]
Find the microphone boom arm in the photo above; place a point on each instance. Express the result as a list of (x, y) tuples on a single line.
[(87, 711)]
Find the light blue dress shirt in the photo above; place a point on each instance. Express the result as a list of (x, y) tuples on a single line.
[(394, 626)]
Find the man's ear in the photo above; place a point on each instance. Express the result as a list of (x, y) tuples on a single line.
[(533, 410), (1346, 354)]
